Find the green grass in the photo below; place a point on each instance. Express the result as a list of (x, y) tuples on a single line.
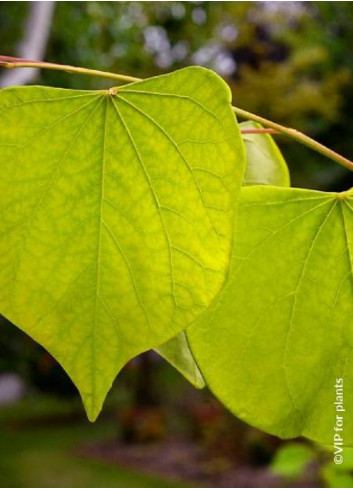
[(35, 455)]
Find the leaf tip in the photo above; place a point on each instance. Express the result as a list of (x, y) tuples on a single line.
[(92, 407), (92, 417)]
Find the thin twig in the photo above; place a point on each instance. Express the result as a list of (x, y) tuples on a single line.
[(10, 63), (298, 136)]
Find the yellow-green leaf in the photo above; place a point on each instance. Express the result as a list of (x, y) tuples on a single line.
[(177, 352), (265, 164), (116, 212), (277, 346)]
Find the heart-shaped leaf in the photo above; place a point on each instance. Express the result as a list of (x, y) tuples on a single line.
[(116, 211), (280, 337)]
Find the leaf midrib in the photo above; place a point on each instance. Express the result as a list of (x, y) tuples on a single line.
[(154, 195), (99, 245)]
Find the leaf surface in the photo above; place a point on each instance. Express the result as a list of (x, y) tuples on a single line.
[(117, 211), (264, 165), (177, 352), (281, 332)]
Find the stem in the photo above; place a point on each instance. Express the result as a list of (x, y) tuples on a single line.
[(10, 63), (298, 136)]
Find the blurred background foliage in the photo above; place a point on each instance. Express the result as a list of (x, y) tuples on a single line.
[(291, 62)]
